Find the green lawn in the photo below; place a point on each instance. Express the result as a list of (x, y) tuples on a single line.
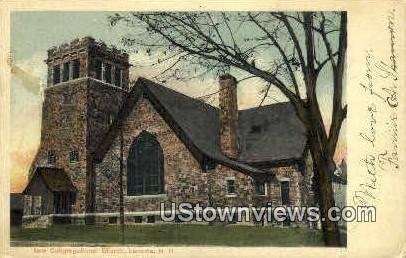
[(174, 234)]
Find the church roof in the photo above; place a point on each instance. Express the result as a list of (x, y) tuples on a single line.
[(268, 134), (55, 179)]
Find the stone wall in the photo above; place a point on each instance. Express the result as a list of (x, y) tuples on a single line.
[(184, 179), (75, 116), (63, 130), (273, 198), (103, 103)]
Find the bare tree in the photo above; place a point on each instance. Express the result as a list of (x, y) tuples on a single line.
[(121, 196), (286, 50)]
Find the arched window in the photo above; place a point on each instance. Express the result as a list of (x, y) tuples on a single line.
[(145, 166)]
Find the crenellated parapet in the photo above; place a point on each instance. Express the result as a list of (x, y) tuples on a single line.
[(87, 57)]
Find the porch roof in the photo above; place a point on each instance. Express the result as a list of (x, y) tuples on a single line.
[(55, 179)]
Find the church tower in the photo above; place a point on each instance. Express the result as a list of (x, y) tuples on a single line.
[(87, 83)]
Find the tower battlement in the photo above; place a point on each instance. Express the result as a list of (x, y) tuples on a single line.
[(86, 57)]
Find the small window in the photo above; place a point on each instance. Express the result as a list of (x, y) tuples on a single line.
[(112, 220), (67, 99), (138, 219), (255, 129), (98, 69), (110, 119), (65, 76), (51, 157), (107, 73), (230, 186), (117, 77), (73, 156), (56, 74), (285, 193), (75, 68), (151, 219), (260, 187)]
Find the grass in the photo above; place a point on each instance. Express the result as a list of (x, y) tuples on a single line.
[(173, 234)]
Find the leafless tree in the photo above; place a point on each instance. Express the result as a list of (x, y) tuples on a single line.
[(288, 51)]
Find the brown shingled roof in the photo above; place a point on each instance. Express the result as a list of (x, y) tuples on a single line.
[(55, 179), (270, 133)]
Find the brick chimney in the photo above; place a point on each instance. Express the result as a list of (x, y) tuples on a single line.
[(228, 116)]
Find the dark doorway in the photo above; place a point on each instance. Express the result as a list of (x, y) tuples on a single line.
[(285, 193), (63, 202)]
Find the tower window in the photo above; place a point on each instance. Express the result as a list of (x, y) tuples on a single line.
[(65, 76), (56, 74), (74, 156), (230, 186), (107, 73), (51, 157), (67, 99), (75, 68), (98, 68), (285, 192), (117, 77)]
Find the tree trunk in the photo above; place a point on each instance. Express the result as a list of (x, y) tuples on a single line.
[(121, 188), (322, 172)]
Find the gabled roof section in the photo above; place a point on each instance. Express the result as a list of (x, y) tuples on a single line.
[(55, 179), (265, 134), (271, 133), (126, 108)]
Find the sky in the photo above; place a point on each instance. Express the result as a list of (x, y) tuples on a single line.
[(32, 33)]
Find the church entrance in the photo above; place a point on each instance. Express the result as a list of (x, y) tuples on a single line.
[(63, 202)]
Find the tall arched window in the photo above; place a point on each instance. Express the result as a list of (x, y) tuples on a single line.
[(145, 166)]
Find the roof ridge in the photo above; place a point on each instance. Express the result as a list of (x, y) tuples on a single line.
[(158, 85), (266, 106)]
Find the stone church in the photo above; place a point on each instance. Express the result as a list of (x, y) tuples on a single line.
[(168, 147)]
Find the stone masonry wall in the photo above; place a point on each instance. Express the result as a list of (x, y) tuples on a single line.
[(63, 130), (184, 180), (103, 103), (183, 177), (76, 115)]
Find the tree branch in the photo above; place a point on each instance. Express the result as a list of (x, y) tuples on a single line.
[(326, 42), (339, 113), (321, 65), (281, 52), (295, 40)]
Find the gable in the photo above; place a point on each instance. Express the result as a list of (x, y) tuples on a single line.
[(197, 125), (271, 133), (53, 179), (36, 186)]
